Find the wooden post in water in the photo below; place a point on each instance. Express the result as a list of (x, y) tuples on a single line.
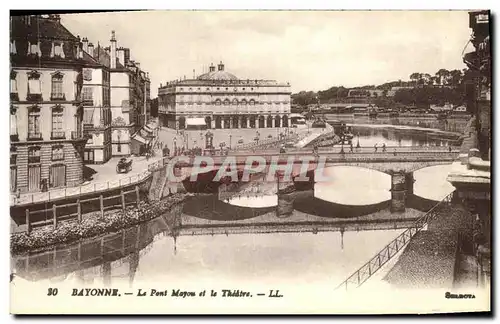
[(101, 199), (123, 199), (28, 223), (79, 210), (137, 194), (54, 215)]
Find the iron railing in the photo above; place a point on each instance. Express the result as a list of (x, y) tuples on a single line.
[(75, 192), (390, 250)]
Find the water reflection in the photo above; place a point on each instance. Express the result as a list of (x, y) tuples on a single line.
[(370, 135), (316, 233)]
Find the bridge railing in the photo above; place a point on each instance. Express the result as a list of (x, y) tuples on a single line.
[(367, 270)]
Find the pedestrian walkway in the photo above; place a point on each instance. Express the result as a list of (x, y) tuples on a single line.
[(104, 178)]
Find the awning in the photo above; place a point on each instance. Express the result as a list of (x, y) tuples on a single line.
[(140, 139), (195, 121)]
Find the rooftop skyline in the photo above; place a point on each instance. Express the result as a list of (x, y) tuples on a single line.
[(313, 50)]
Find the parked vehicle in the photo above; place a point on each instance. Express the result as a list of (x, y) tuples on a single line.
[(124, 166)]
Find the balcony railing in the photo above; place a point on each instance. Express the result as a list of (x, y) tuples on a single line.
[(34, 136), (34, 97), (57, 96), (33, 159), (14, 137), (87, 102), (75, 135), (58, 135)]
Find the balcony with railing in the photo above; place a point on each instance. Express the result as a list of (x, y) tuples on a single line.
[(34, 97), (58, 135), (33, 159), (34, 136), (57, 96), (78, 135)]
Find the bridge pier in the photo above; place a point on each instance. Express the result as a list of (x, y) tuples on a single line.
[(401, 187)]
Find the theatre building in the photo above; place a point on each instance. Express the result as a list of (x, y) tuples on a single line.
[(218, 99)]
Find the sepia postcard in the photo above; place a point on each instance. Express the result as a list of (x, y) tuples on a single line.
[(250, 162)]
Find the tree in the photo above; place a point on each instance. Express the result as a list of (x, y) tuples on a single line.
[(443, 76), (415, 77), (456, 78)]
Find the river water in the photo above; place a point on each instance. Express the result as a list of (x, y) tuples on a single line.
[(290, 249)]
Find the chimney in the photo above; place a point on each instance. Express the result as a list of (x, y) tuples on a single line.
[(120, 53), (113, 50), (221, 66), (91, 49), (126, 55), (212, 68), (85, 43)]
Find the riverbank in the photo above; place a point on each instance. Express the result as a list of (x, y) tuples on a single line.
[(93, 224)]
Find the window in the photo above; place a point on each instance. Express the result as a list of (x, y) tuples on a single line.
[(227, 89), (34, 49), (34, 154), (57, 153), (57, 123), (13, 81), (13, 155), (199, 89), (235, 101), (208, 89), (57, 50), (218, 102), (218, 88), (13, 49), (252, 102), (243, 102), (13, 122), (226, 102), (34, 123), (88, 94), (34, 83), (57, 86)]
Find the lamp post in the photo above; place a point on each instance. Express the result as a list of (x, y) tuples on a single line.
[(357, 145), (230, 141)]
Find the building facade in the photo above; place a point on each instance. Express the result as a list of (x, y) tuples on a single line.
[(46, 130), (116, 99), (218, 99), (96, 96)]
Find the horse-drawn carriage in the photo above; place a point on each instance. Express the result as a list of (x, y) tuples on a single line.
[(124, 165)]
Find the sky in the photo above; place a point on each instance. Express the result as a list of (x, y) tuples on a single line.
[(313, 50)]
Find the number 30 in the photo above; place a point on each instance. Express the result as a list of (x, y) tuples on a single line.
[(52, 292)]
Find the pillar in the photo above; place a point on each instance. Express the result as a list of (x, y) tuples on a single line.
[(28, 222), (79, 210), (248, 122), (409, 180), (398, 192), (101, 201), (122, 195), (54, 215), (137, 195)]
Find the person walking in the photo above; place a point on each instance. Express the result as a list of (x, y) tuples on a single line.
[(383, 147), (375, 147), (351, 148)]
